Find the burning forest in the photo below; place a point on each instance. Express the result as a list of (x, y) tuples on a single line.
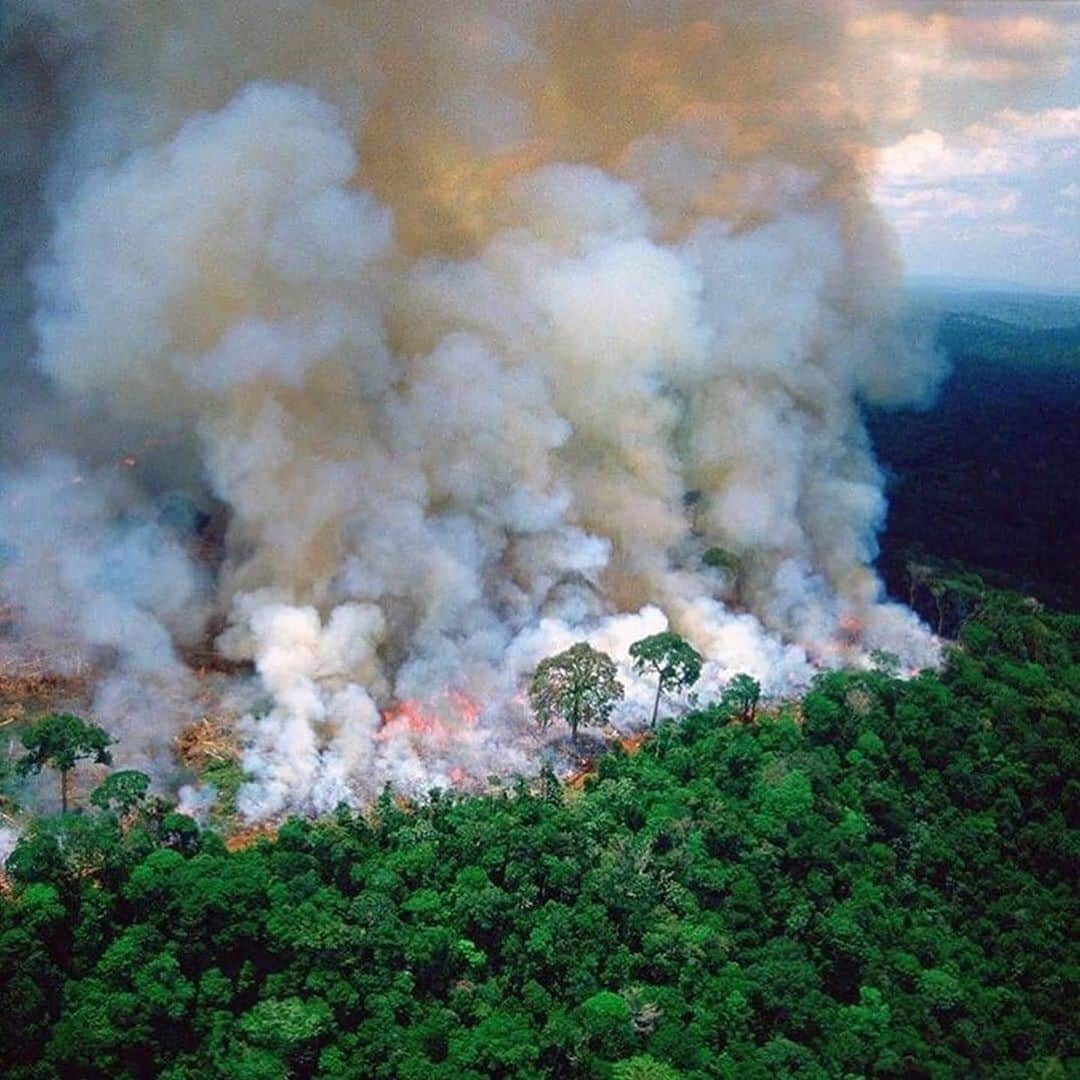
[(361, 356)]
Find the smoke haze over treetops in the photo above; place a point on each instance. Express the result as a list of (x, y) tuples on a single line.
[(452, 308)]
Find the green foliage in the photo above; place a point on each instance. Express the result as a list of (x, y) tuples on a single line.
[(606, 1020), (643, 1067), (742, 696), (287, 1026), (8, 802), (884, 888), (227, 777), (579, 685), (885, 663), (674, 661), (121, 791), (59, 741)]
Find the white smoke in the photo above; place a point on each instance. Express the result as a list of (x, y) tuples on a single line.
[(8, 840), (464, 306), (110, 575)]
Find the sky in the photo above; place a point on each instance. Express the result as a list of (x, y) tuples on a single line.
[(979, 167)]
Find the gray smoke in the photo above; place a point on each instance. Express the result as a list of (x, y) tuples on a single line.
[(483, 322)]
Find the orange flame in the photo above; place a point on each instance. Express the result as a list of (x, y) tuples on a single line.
[(451, 712), (850, 628), (441, 722), (466, 708), (415, 717)]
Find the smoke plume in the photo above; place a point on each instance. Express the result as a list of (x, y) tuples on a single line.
[(471, 327)]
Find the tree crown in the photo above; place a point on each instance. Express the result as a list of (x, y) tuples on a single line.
[(676, 662), (580, 685), (60, 740), (120, 791)]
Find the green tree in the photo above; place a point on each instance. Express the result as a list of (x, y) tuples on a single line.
[(502, 1044), (68, 849), (580, 685), (7, 770), (643, 1067), (607, 1023), (675, 661), (743, 693), (287, 1026), (60, 740), (121, 791)]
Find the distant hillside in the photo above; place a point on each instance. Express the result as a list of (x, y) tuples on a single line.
[(988, 476), (996, 341), (1005, 303)]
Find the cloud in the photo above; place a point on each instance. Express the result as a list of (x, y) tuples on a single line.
[(1009, 142), (1021, 229), (980, 132), (929, 157), (913, 207), (975, 173), (1049, 125)]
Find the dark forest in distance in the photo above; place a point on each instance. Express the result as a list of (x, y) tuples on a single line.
[(988, 476)]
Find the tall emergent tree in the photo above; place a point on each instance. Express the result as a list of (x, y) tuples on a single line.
[(59, 741), (580, 685), (675, 661)]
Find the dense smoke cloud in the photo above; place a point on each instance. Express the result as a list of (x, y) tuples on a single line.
[(482, 322)]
